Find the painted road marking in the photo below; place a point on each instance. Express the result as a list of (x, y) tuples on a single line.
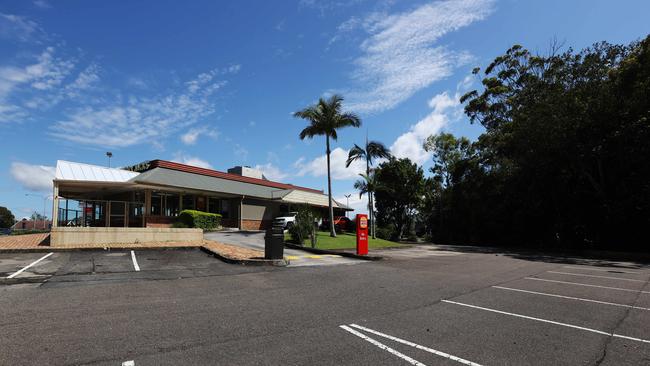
[(549, 321), (571, 298), (31, 264), (135, 261), (128, 363), (587, 285), (297, 257), (292, 257), (594, 276), (314, 256), (423, 348), (382, 346), (603, 269)]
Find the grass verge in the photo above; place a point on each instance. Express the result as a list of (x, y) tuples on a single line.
[(344, 241)]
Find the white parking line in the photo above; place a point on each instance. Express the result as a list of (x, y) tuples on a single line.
[(594, 276), (586, 285), (603, 269), (571, 298), (549, 321), (423, 348), (382, 346), (128, 363), (135, 261), (31, 264)]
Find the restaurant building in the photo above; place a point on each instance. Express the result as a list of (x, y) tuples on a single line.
[(151, 194)]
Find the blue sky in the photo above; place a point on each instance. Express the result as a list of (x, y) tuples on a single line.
[(214, 83)]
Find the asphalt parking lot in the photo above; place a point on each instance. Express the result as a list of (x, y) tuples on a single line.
[(436, 309)]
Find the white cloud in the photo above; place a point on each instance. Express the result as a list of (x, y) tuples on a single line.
[(240, 152), (192, 135), (41, 81), (401, 55), (360, 205), (33, 177), (318, 166), (139, 119), (271, 172), (42, 4), (15, 27), (180, 157), (409, 144)]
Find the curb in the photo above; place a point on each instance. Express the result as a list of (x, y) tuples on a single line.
[(335, 252), (55, 249), (248, 262)]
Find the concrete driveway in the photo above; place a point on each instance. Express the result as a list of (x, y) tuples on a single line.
[(297, 258)]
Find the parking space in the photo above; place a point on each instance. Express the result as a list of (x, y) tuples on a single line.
[(571, 314), (121, 264)]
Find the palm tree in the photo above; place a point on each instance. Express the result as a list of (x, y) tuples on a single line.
[(325, 118), (373, 150)]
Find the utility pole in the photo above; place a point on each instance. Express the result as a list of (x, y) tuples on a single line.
[(110, 155), (44, 207), (347, 203)]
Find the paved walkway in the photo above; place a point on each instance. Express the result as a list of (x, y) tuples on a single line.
[(297, 258), (27, 241)]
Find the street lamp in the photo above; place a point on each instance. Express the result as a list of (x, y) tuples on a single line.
[(44, 206), (110, 155), (347, 202)]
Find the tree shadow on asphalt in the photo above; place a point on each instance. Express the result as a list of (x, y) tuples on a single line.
[(592, 258)]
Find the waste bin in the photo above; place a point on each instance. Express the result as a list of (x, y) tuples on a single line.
[(274, 242)]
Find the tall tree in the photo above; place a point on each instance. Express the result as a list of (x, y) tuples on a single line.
[(400, 188), (373, 150), (7, 218), (325, 118)]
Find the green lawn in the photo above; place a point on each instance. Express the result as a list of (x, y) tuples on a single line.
[(344, 241)]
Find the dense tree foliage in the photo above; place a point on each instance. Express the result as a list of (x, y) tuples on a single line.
[(399, 186), (7, 218), (565, 157)]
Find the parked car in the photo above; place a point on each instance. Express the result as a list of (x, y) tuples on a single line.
[(341, 223), (287, 220)]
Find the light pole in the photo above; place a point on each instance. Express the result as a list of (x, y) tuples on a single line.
[(110, 155), (347, 202), (44, 206)]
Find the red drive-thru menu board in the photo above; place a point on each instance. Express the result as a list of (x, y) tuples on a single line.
[(362, 234)]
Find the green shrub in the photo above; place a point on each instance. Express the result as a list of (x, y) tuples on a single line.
[(199, 219), (385, 232), (179, 225), (304, 227)]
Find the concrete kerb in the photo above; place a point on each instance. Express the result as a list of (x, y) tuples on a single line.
[(247, 262), (334, 252)]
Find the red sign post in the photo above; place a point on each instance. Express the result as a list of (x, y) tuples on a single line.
[(362, 234)]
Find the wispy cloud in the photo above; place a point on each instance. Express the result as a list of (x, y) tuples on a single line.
[(317, 167), (271, 171), (42, 4), (180, 157), (444, 109), (402, 53), (40, 80), (19, 28), (192, 135), (33, 177), (142, 119)]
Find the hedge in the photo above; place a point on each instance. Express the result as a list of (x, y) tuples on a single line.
[(200, 219)]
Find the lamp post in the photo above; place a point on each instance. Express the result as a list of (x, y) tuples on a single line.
[(347, 202), (110, 155), (44, 206)]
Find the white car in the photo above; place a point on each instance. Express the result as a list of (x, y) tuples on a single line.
[(287, 220)]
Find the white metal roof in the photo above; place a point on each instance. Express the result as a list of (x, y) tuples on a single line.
[(66, 170)]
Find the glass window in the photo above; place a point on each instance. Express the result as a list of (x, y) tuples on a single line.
[(156, 204), (172, 206), (188, 202), (117, 214), (225, 209), (213, 205)]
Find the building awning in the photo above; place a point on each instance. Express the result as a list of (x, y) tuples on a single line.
[(79, 172)]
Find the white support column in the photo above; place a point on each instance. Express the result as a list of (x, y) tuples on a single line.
[(55, 205)]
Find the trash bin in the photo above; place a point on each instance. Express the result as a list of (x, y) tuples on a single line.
[(274, 242)]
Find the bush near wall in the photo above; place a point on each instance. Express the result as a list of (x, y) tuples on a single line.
[(200, 219)]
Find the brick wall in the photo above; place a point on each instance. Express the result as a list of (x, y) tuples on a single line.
[(159, 221)]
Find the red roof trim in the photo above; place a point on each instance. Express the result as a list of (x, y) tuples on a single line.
[(217, 174)]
